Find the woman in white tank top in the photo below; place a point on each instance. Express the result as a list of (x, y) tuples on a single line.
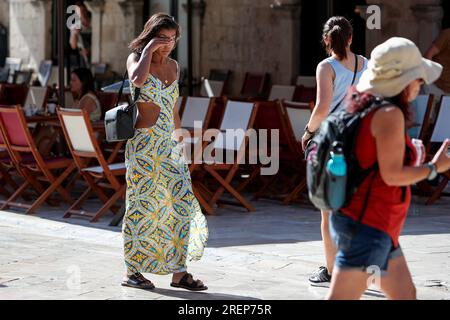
[(335, 76)]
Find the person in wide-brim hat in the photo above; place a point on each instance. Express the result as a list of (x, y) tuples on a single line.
[(370, 248), (394, 65)]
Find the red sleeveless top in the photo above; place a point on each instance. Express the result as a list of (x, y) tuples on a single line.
[(388, 206)]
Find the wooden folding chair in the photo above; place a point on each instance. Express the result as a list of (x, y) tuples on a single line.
[(4, 75), (85, 149), (308, 82), (271, 117), (279, 92), (37, 96), (238, 116), (44, 72), (212, 88), (29, 162), (422, 110), (256, 85), (179, 105), (221, 75), (305, 95), (13, 65), (3, 100), (107, 101), (441, 132), (6, 166), (199, 110), (422, 107), (22, 77), (218, 112), (296, 116)]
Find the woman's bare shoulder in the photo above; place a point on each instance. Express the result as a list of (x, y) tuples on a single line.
[(387, 119), (173, 63), (132, 58)]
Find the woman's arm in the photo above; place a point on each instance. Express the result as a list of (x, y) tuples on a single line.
[(74, 38), (139, 67), (324, 98), (388, 128)]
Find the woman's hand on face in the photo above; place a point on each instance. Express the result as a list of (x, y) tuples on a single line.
[(156, 43), (442, 157)]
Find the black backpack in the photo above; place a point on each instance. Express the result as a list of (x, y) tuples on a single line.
[(341, 127)]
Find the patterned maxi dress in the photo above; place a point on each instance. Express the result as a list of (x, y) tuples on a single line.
[(163, 224)]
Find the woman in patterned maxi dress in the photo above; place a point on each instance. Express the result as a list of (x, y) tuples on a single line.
[(163, 225)]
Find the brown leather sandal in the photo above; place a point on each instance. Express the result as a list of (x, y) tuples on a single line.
[(138, 281), (193, 286)]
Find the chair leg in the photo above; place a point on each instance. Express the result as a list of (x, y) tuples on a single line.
[(255, 174), (77, 205), (119, 194), (263, 189), (55, 185), (202, 189), (118, 218), (3, 190), (203, 203), (231, 190), (15, 195), (227, 180), (299, 189), (7, 177)]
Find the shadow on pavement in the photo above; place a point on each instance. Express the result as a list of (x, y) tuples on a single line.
[(200, 295)]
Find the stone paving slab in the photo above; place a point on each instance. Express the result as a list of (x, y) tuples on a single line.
[(266, 255)]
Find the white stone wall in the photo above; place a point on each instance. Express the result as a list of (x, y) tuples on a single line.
[(4, 12), (249, 36), (30, 31), (240, 35), (418, 20), (121, 23)]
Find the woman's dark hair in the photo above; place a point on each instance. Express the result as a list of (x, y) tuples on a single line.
[(358, 101), (86, 79), (339, 31), (154, 25)]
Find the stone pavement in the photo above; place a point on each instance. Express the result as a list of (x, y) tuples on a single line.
[(266, 255)]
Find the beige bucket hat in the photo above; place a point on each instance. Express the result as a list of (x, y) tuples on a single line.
[(394, 65)]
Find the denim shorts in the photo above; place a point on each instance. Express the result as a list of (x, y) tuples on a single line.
[(365, 249)]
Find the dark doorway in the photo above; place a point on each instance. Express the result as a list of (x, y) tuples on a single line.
[(146, 13), (347, 9), (314, 15), (446, 19)]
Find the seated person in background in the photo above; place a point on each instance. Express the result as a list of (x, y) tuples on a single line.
[(82, 87), (440, 52)]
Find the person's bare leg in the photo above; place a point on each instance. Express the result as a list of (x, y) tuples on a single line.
[(328, 244), (347, 285), (398, 283)]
